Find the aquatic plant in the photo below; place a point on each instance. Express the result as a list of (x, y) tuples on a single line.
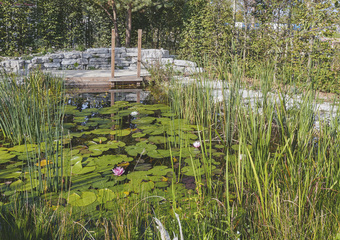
[(118, 171)]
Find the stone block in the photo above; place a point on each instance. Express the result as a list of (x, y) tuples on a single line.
[(155, 53), (121, 55), (99, 61), (179, 69), (193, 70), (101, 55), (97, 50), (68, 61), (165, 61), (47, 59), (165, 53), (52, 65), (56, 55), (119, 50), (86, 55), (72, 55), (184, 63), (57, 60), (83, 61), (97, 66), (131, 54), (132, 50), (37, 60)]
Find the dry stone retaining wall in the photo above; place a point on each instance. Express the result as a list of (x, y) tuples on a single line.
[(98, 58)]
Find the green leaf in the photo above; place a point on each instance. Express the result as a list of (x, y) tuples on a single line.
[(105, 195), (85, 199)]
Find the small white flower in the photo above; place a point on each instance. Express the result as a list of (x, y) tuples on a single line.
[(197, 144), (134, 113)]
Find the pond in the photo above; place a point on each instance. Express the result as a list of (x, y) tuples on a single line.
[(116, 144)]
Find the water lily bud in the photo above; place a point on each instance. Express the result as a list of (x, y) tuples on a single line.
[(197, 144), (134, 113)]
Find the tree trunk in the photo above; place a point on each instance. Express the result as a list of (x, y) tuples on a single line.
[(115, 23), (128, 26)]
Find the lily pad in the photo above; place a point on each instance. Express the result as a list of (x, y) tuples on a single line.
[(161, 184), (108, 110), (100, 139), (6, 157), (143, 167), (121, 132), (144, 120), (158, 139), (159, 153), (105, 195), (10, 173), (69, 125), (81, 127), (101, 131), (77, 168), (139, 148), (159, 171), (91, 124), (23, 148), (85, 199), (138, 135)]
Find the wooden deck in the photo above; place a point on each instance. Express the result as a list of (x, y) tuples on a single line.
[(100, 78)]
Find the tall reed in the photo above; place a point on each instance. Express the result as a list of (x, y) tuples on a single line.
[(280, 170), (32, 115)]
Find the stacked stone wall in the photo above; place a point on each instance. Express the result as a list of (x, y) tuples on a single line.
[(97, 58)]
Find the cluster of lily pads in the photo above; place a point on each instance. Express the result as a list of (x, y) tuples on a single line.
[(116, 151)]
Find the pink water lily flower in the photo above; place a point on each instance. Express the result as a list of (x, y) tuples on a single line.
[(118, 171), (197, 144)]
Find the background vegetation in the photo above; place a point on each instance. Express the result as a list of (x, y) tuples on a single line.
[(290, 34)]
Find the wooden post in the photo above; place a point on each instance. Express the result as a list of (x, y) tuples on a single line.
[(139, 59), (113, 46), (138, 97)]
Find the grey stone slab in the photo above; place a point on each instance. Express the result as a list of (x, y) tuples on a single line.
[(97, 50), (120, 50), (121, 55), (37, 60), (72, 55), (101, 55), (152, 53), (131, 54), (57, 60), (56, 55), (69, 61), (99, 61), (52, 65), (83, 61), (193, 70), (165, 61), (97, 66), (184, 63), (132, 50), (178, 69), (86, 55)]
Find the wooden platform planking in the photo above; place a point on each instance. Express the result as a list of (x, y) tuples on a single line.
[(126, 79), (102, 81)]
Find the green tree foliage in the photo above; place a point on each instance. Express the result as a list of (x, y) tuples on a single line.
[(288, 34), (208, 32)]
